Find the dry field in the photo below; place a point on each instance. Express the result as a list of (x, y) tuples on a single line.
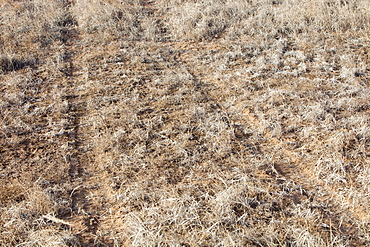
[(185, 123)]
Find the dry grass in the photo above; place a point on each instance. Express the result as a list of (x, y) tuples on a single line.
[(184, 123)]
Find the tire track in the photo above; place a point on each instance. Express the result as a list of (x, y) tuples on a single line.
[(322, 198), (286, 166), (83, 219)]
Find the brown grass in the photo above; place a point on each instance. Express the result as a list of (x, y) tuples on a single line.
[(184, 123)]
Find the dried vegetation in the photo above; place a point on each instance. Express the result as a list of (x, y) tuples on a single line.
[(184, 123)]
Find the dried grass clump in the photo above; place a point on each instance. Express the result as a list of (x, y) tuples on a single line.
[(23, 221), (191, 20), (115, 20), (208, 20), (28, 27), (13, 63)]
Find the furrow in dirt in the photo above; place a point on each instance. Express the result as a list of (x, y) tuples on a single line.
[(286, 166), (299, 171), (82, 217)]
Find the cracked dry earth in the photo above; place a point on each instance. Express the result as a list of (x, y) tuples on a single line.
[(126, 127)]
